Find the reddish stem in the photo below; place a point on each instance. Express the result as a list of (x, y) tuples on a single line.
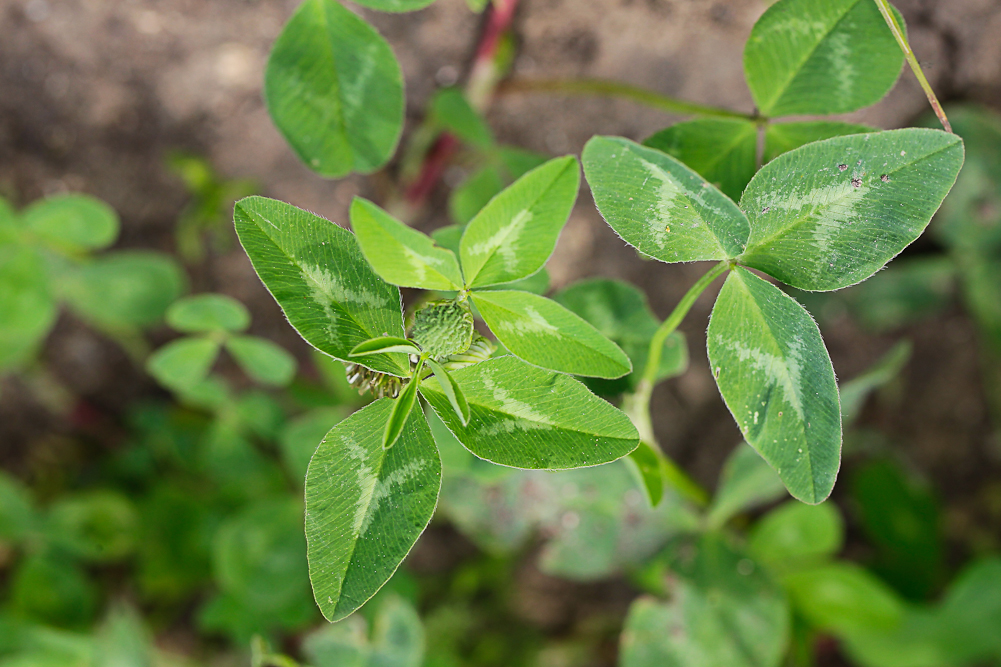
[(446, 146)]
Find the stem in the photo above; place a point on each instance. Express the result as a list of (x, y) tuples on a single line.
[(480, 88), (624, 90), (884, 9), (637, 404), (672, 322)]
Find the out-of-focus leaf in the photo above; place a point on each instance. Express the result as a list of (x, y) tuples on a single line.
[(907, 291), (72, 221), (99, 526), (53, 590), (17, 512), (857, 390), (396, 639), (747, 481), (259, 560), (264, 361), (303, 435), (208, 312), (721, 150), (26, 301), (794, 533), (334, 89), (620, 312), (724, 611), (451, 110), (844, 598), (901, 518), (131, 288), (183, 363)]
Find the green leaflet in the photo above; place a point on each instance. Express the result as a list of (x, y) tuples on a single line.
[(469, 198), (546, 334), (820, 57), (396, 639), (401, 255), (395, 5), (384, 344), (400, 414), (844, 598), (909, 290), (722, 611), (795, 533), (73, 222), (335, 90), (98, 526), (854, 392), (131, 288), (645, 461), (452, 391), (317, 274), (258, 562), (832, 213), (660, 206), (901, 519), (746, 482), (183, 363), (776, 378), (53, 589), (262, 360), (515, 233), (26, 301), (302, 435), (17, 512), (783, 137), (620, 311), (366, 506), (451, 110), (208, 312), (721, 150), (525, 417)]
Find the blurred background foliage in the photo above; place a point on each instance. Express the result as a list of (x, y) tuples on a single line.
[(182, 543)]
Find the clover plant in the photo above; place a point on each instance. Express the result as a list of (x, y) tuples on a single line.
[(49, 257), (832, 205)]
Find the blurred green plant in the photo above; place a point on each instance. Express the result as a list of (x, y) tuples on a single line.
[(207, 212)]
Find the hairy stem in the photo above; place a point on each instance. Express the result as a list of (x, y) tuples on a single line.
[(637, 404), (617, 89), (884, 9)]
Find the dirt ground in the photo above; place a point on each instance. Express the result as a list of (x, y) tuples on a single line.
[(94, 93)]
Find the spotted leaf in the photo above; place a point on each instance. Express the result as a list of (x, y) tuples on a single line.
[(832, 213), (776, 378)]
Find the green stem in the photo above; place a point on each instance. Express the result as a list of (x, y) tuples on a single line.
[(898, 34), (637, 404), (674, 319), (623, 90)]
